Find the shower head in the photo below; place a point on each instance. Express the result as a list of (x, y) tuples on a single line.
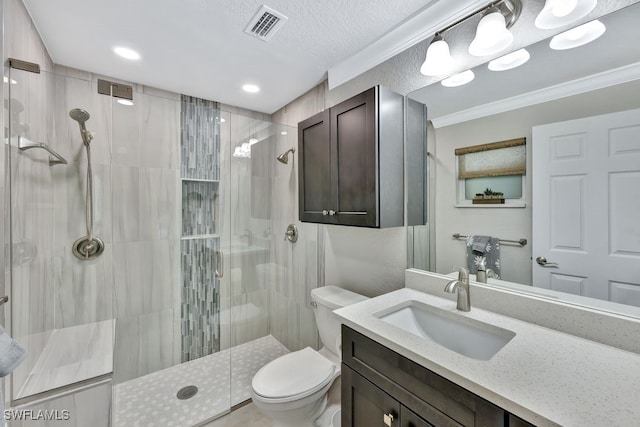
[(82, 116), (79, 115), (284, 157)]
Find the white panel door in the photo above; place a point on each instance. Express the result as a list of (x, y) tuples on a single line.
[(586, 206)]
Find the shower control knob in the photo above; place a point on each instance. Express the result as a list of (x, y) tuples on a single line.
[(332, 212), (325, 212)]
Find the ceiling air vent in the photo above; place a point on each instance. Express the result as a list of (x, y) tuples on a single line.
[(265, 23)]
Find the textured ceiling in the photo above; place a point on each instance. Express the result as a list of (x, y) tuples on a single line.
[(198, 47)]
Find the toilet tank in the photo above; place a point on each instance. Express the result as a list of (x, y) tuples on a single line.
[(324, 301)]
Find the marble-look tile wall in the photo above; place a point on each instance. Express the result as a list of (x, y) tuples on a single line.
[(298, 267)]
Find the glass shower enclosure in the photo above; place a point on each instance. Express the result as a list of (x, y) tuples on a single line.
[(173, 319)]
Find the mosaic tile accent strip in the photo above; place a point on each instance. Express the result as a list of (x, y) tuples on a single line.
[(200, 299), (151, 400), (198, 207), (200, 139)]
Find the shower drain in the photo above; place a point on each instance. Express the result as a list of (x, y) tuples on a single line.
[(187, 392)]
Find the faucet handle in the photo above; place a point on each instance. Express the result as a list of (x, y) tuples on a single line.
[(463, 273)]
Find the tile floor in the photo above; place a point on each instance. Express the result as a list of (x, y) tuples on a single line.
[(151, 400)]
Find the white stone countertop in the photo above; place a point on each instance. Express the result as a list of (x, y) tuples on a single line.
[(543, 376)]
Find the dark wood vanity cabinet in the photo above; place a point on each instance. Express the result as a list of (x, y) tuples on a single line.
[(382, 388), (351, 162)]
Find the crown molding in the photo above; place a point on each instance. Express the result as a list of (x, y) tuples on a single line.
[(601, 80), (434, 16)]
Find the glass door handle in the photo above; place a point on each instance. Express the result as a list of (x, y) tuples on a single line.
[(219, 263)]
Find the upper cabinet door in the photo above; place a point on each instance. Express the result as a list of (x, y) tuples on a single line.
[(354, 164), (314, 170)]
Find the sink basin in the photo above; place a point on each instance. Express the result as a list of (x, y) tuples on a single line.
[(468, 337)]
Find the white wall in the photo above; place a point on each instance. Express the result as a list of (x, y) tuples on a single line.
[(507, 223)]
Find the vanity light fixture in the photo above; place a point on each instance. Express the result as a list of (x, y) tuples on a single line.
[(578, 36), (126, 53), (438, 60), (557, 13), (458, 79), (510, 61), (492, 34)]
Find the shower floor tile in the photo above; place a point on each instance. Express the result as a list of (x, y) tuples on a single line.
[(151, 400)]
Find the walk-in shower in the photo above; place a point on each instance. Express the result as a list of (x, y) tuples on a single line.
[(87, 247), (284, 157)]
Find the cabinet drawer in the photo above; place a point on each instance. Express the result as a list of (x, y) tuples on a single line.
[(435, 398)]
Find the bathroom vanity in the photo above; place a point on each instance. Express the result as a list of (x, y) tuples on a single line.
[(398, 374), (380, 385)]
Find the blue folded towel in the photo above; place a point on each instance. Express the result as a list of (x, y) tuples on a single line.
[(11, 353)]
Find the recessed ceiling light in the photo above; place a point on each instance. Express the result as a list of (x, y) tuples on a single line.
[(125, 102), (458, 79), (284, 132), (578, 36), (510, 61), (126, 53), (250, 88)]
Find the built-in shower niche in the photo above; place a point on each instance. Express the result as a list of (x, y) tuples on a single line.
[(198, 207)]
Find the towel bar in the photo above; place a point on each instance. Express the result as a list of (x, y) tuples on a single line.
[(521, 242), (54, 159)]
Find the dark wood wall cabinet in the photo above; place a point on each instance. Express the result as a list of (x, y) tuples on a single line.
[(383, 388), (351, 162)]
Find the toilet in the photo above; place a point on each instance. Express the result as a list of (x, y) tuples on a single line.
[(292, 389)]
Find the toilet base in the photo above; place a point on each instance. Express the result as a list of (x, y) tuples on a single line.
[(301, 417)]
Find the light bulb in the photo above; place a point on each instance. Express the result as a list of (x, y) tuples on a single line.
[(558, 13), (492, 35), (578, 36), (458, 79), (509, 61), (438, 60), (561, 8)]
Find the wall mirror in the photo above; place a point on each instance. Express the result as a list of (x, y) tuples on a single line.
[(554, 86)]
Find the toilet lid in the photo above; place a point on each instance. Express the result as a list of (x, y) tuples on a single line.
[(294, 374)]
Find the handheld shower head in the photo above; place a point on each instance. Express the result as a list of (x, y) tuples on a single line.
[(284, 157), (81, 117)]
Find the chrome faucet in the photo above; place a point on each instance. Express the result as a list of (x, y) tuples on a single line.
[(462, 287)]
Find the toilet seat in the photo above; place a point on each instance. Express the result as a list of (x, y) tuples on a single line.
[(293, 376)]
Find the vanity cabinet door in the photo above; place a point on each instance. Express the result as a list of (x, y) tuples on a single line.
[(364, 404), (314, 170)]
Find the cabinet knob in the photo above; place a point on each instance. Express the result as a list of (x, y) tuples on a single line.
[(332, 212), (325, 213), (388, 419)]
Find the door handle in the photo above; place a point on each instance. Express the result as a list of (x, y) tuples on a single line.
[(542, 261), (219, 272)]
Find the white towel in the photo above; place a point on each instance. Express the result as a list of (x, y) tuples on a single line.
[(11, 353)]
